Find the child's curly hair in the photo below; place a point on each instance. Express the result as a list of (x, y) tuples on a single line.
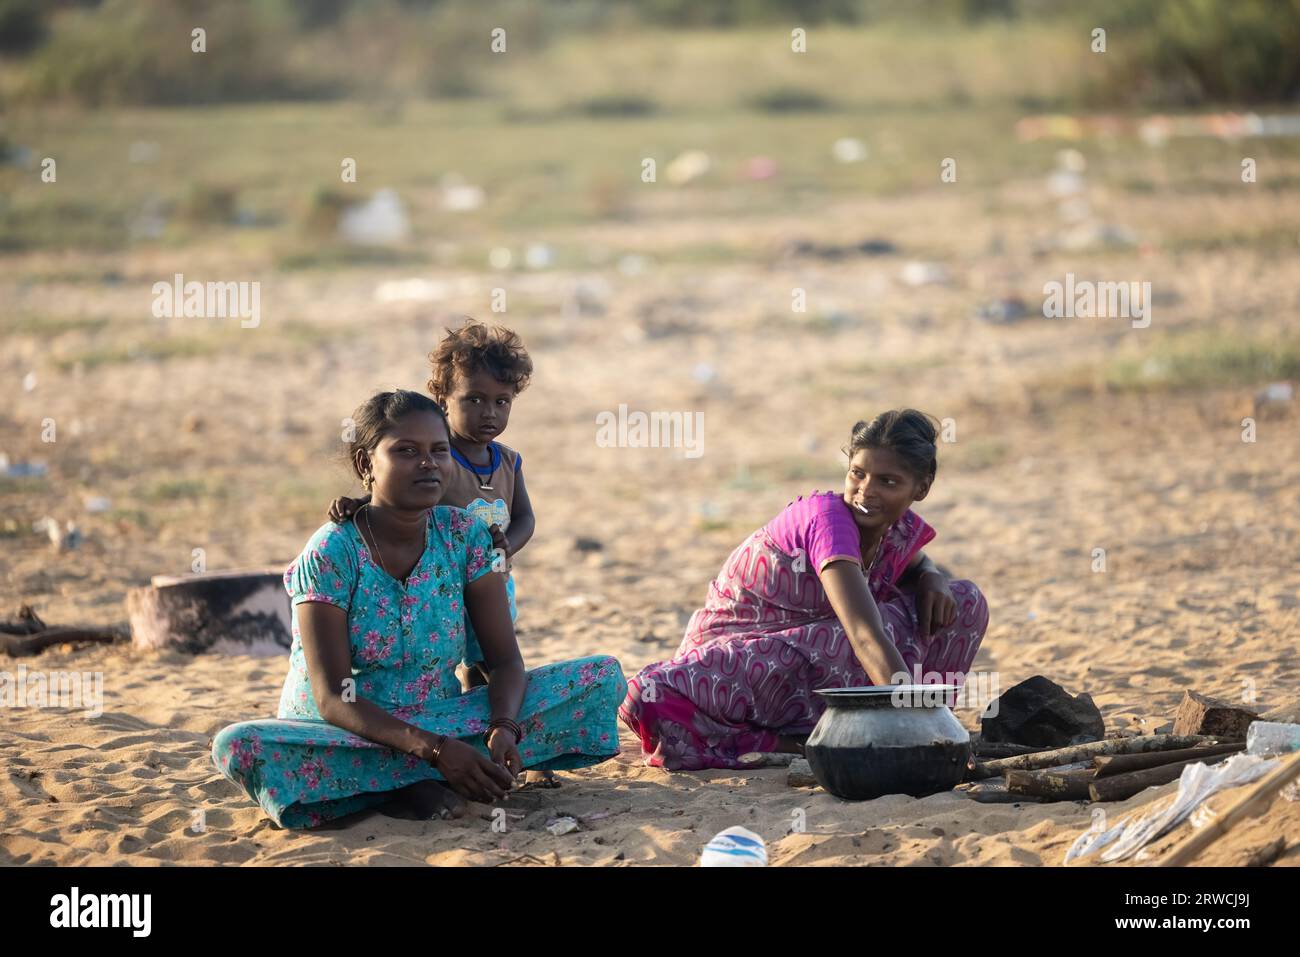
[(473, 347)]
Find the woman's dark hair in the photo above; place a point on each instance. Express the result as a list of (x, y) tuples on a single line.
[(474, 347), (907, 433), (379, 415)]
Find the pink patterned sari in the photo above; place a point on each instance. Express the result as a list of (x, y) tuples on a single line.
[(766, 638)]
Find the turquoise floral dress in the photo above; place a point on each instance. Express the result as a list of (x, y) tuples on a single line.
[(406, 641)]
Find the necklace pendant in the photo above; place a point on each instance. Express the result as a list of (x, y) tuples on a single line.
[(486, 488)]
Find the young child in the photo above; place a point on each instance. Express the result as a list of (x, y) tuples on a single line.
[(476, 374)]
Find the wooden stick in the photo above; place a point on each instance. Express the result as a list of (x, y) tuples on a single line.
[(1255, 800), (1123, 786), (20, 646), (27, 623), (996, 793), (1111, 764), (1053, 785), (1085, 752), (996, 749)]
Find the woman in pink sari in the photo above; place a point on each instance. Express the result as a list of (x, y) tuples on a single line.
[(834, 592)]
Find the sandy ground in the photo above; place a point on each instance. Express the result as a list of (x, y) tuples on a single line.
[(1200, 529)]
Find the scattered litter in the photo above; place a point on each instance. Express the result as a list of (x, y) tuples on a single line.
[(64, 537), (29, 382), (500, 258), (1197, 783), (834, 252), (1271, 738), (22, 469), (734, 847), (847, 149), (459, 196), (688, 167), (704, 373), (1156, 130), (562, 825), (1274, 398), (380, 221), (98, 503), (586, 297), (1002, 311), (918, 273), (539, 256)]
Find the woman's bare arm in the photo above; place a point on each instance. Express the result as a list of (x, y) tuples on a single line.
[(329, 664), (921, 564), (489, 611), (324, 630), (856, 610)]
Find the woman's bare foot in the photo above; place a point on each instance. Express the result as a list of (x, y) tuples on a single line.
[(423, 801)]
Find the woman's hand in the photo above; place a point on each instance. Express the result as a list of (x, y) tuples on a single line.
[(470, 774), (935, 606), (343, 508), (502, 746)]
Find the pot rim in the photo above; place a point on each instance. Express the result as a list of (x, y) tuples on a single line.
[(909, 696)]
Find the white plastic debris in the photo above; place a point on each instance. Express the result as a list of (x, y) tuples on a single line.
[(63, 537), (917, 273), (687, 167), (29, 382), (848, 149), (1198, 783), (562, 825), (379, 222), (734, 847), (500, 258), (97, 503), (538, 256), (459, 196), (704, 373)]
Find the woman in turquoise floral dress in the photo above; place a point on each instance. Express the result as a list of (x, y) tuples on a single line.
[(372, 713)]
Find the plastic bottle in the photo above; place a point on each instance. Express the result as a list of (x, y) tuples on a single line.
[(1272, 737)]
